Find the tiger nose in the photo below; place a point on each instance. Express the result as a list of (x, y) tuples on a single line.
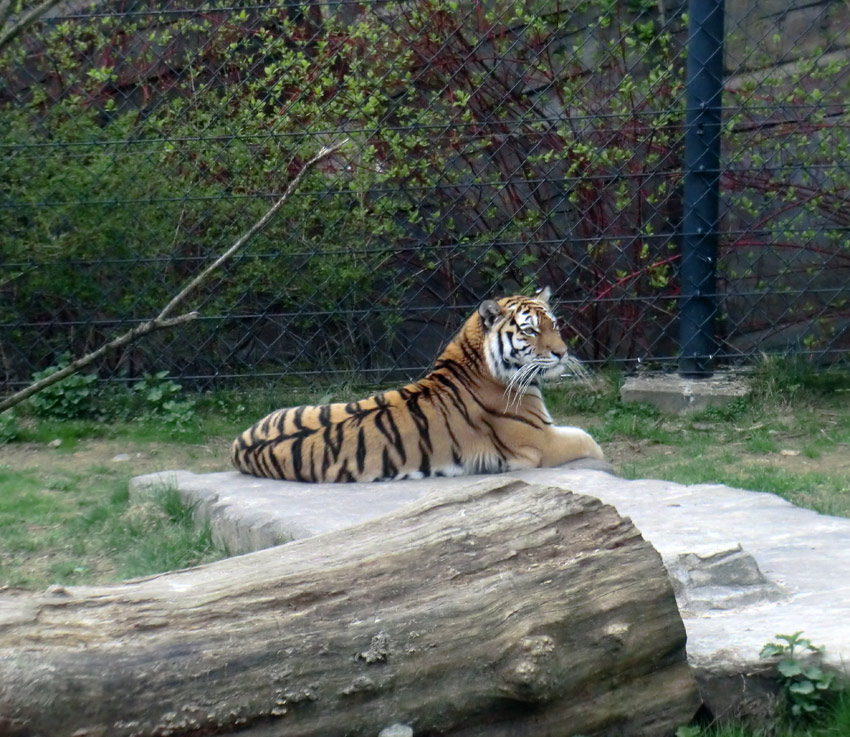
[(558, 348)]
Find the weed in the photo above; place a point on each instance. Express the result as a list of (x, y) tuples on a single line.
[(833, 721), (161, 400), (806, 685), (68, 399), (9, 429)]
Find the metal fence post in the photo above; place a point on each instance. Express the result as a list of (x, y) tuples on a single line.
[(698, 302)]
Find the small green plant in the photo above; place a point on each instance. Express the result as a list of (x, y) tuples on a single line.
[(805, 684), (688, 731), (69, 399), (161, 399), (9, 429)]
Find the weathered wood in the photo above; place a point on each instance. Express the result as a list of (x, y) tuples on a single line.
[(502, 609)]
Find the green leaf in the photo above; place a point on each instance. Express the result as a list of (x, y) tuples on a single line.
[(771, 649), (789, 668), (802, 687), (813, 673), (826, 682), (688, 731)]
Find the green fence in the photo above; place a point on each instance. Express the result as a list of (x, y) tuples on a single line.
[(493, 147)]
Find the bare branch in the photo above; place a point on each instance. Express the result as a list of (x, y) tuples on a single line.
[(162, 320), (89, 358), (256, 228)]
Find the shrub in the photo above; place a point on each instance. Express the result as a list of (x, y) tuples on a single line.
[(68, 399)]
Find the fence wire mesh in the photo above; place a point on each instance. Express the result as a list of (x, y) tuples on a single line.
[(493, 147)]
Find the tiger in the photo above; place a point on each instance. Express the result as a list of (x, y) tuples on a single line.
[(479, 410)]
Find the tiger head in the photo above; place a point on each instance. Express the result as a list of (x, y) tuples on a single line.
[(521, 341)]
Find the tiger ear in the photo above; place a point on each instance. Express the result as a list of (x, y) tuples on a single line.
[(544, 294), (489, 310)]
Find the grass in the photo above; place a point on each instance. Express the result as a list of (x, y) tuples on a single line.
[(66, 517), (65, 526), (833, 722), (790, 437)]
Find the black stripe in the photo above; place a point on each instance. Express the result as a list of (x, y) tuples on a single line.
[(360, 454), (505, 415), (274, 463), (325, 415), (425, 463), (457, 370), (263, 467), (297, 460), (339, 437), (344, 475), (455, 445), (281, 421), (357, 412), (326, 461), (474, 357), (455, 397), (502, 359), (420, 420), (312, 463), (392, 435), (389, 469), (502, 449), (540, 417), (333, 439)]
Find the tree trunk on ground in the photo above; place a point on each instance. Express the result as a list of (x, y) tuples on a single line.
[(502, 609)]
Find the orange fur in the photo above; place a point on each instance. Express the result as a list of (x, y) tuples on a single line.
[(479, 411)]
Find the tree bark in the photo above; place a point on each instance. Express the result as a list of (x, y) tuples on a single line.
[(501, 609)]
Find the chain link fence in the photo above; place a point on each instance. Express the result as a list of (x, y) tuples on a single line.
[(494, 147)]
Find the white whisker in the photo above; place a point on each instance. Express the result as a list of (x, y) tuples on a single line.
[(574, 368), (519, 383)]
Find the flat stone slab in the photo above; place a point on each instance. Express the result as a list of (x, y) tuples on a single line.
[(246, 513), (745, 565), (671, 393)]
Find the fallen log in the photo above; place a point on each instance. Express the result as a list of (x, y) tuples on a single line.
[(501, 609)]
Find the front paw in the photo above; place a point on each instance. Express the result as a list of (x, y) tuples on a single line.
[(593, 450)]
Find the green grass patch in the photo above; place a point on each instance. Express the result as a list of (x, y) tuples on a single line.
[(834, 721), (81, 528), (796, 413), (64, 522)]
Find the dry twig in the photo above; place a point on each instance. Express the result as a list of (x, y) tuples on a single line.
[(163, 319)]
